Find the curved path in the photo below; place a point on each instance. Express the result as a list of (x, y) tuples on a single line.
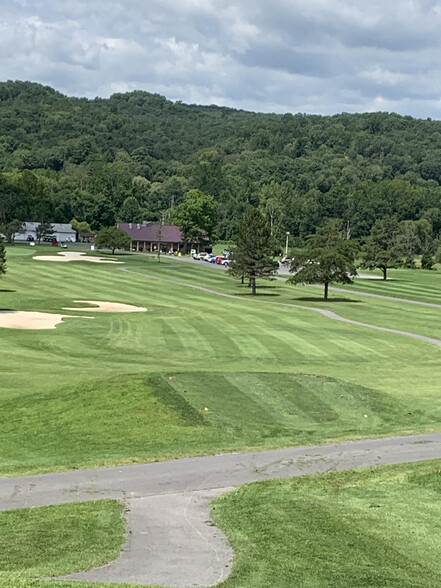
[(383, 297), (324, 312), (170, 542), (283, 273)]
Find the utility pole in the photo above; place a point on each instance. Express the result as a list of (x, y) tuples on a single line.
[(286, 244), (161, 224)]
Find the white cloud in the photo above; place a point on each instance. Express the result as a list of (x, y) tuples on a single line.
[(286, 55)]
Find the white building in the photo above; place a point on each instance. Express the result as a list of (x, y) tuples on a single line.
[(62, 232)]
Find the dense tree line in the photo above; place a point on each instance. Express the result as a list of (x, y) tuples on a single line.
[(138, 155)]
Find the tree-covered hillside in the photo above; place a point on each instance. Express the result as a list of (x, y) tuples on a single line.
[(66, 157)]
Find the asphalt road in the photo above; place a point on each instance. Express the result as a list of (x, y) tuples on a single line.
[(171, 540)]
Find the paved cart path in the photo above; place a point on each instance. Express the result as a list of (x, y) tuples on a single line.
[(170, 540), (283, 274), (322, 311)]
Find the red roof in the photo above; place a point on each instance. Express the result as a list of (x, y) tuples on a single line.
[(150, 232)]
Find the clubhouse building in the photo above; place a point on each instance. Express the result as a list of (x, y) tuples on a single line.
[(148, 236)]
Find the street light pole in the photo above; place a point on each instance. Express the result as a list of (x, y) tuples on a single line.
[(286, 244)]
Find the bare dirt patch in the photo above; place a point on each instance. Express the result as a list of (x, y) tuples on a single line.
[(100, 306), (74, 256), (32, 320)]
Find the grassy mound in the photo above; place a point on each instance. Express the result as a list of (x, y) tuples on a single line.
[(137, 419), (96, 392), (370, 528)]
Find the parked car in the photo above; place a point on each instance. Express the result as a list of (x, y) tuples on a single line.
[(199, 256), (209, 257), (225, 261), (276, 263)]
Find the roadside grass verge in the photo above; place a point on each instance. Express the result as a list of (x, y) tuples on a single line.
[(371, 528)]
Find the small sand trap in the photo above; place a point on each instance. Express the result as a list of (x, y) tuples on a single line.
[(32, 320), (74, 256), (107, 306)]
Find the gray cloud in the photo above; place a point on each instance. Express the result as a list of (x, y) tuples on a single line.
[(322, 56)]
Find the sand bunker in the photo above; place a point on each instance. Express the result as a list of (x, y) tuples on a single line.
[(107, 306), (19, 319), (74, 256), (11, 319)]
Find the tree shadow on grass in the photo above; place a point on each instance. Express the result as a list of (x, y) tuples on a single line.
[(361, 277), (333, 299), (258, 294), (7, 290), (364, 279)]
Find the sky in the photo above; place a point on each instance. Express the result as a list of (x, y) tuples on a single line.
[(312, 56)]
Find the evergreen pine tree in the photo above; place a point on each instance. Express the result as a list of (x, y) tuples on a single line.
[(252, 256)]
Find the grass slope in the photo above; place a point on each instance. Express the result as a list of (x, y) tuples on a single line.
[(371, 528), (135, 419), (94, 392)]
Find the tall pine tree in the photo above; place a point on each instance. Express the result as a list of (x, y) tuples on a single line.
[(252, 257)]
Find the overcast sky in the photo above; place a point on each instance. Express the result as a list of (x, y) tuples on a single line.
[(313, 56)]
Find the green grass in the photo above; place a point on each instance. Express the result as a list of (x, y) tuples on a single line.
[(245, 374), (96, 392), (414, 284), (371, 528), (58, 540), (139, 419)]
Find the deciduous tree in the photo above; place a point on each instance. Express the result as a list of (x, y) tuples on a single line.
[(9, 229), (382, 249), (327, 257), (197, 217), (130, 211), (112, 238), (43, 229)]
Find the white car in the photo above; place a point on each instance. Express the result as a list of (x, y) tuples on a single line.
[(199, 256)]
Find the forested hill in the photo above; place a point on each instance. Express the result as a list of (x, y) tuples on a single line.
[(67, 157)]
